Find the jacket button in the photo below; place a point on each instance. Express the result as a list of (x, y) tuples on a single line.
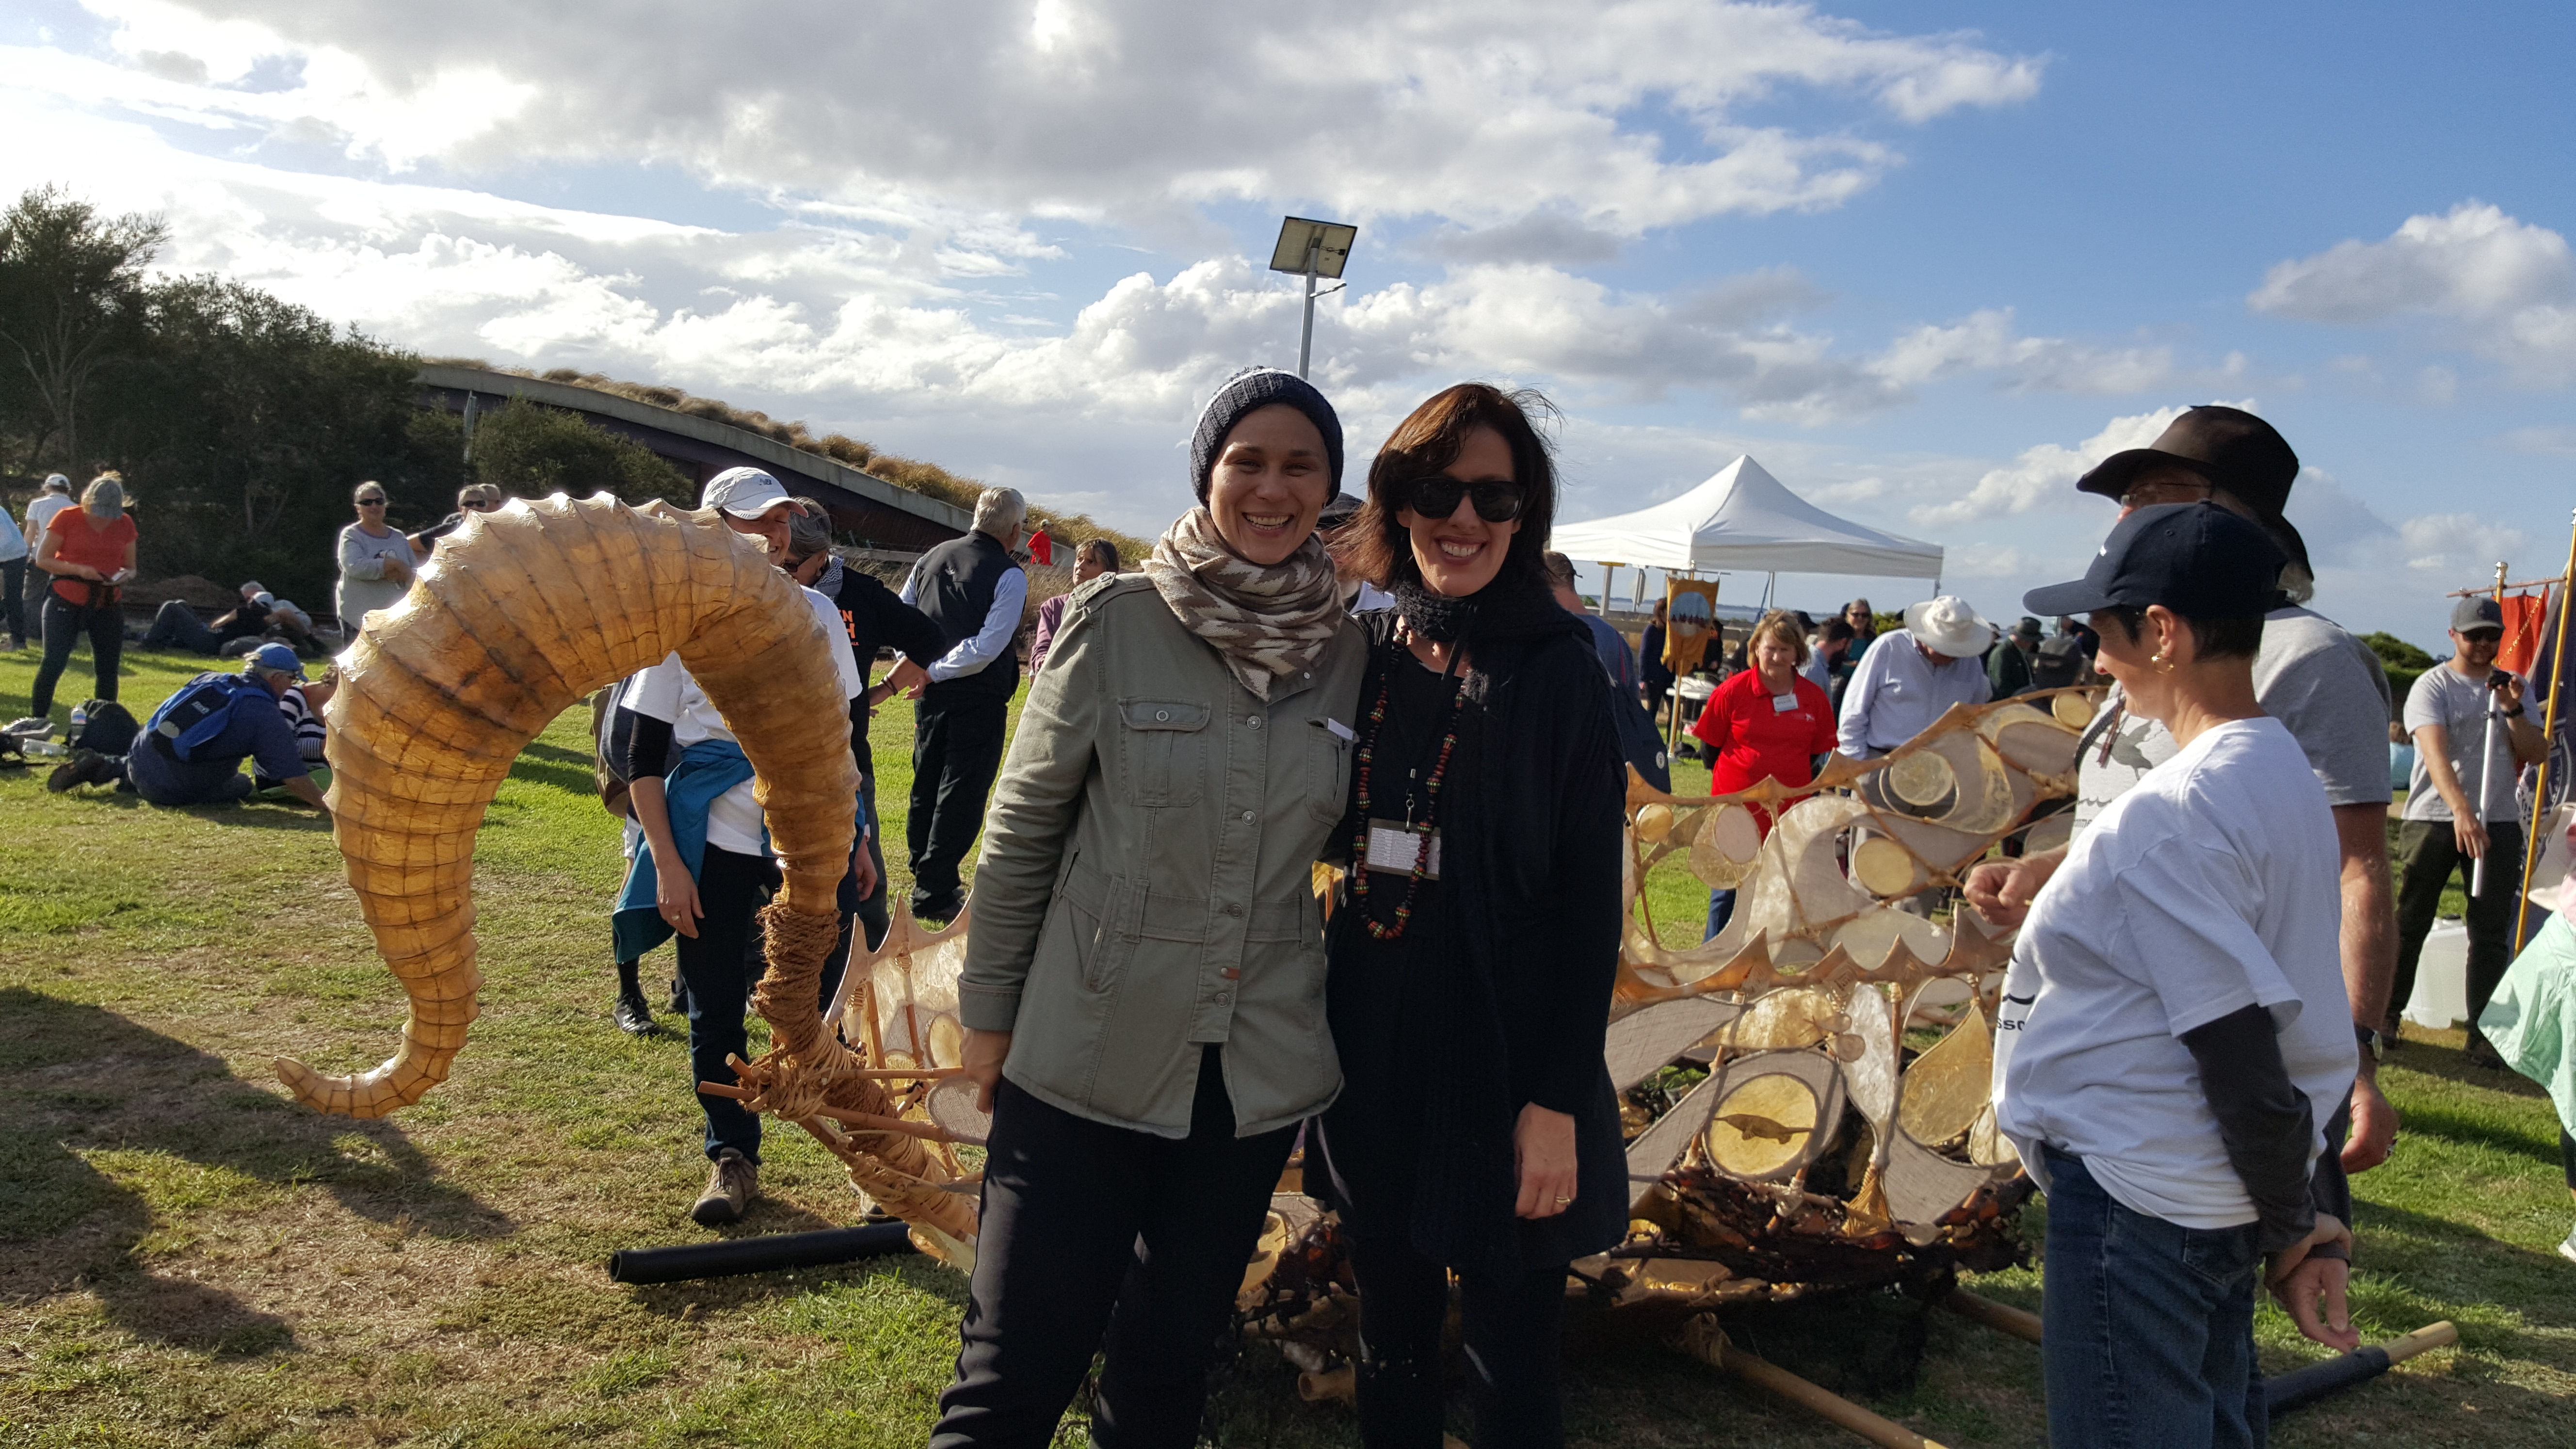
[(1254, 722), (1247, 815), (1234, 909), (1162, 716)]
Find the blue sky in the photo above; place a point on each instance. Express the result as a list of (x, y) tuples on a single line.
[(1925, 264)]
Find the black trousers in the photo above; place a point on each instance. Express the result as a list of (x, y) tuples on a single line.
[(956, 751), (13, 584), (2428, 855), (1513, 1326), (719, 968), (1089, 1226), (64, 623)]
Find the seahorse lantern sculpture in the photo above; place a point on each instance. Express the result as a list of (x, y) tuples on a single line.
[(518, 616)]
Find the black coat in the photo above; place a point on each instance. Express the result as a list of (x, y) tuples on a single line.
[(877, 617), (1505, 989)]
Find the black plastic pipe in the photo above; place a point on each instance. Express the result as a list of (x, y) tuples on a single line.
[(757, 1255)]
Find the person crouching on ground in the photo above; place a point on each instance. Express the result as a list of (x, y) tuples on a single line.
[(254, 729), (706, 861), (1473, 952), (2173, 1034), (1184, 752)]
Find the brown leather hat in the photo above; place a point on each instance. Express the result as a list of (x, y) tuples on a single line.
[(2236, 451)]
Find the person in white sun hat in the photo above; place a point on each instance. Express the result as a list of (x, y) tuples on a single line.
[(1910, 676)]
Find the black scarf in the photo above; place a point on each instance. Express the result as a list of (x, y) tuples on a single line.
[(1511, 607)]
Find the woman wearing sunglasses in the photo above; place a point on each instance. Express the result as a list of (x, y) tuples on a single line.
[(376, 561), (1474, 943), (471, 499)]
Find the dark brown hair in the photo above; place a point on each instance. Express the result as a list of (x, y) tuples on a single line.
[(1376, 545)]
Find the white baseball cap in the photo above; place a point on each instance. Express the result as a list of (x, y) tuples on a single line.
[(743, 492), (1947, 625)]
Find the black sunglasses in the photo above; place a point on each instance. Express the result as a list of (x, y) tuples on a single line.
[(1437, 497), (371, 503)]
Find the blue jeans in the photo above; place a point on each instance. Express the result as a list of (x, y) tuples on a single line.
[(1721, 909), (177, 626), (2147, 1327)]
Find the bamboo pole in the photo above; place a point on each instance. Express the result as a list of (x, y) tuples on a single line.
[(2001, 1317), (2531, 842), (1702, 1339)]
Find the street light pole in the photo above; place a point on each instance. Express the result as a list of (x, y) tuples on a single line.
[(1306, 334), (1312, 249)]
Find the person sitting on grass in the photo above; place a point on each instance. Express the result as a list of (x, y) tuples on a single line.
[(169, 766), (178, 627), (301, 707)]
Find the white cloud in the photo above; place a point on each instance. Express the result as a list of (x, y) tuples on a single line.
[(1986, 342), (2459, 546), (2045, 473), (2506, 287), (2558, 442), (1481, 115)]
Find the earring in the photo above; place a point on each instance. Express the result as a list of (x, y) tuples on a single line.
[(2162, 664)]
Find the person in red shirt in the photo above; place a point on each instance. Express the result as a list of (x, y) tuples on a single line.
[(89, 551), (1764, 722)]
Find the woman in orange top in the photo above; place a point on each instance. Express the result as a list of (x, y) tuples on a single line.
[(90, 552), (1765, 722)]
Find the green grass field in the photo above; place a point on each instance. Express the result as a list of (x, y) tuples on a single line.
[(188, 1258)]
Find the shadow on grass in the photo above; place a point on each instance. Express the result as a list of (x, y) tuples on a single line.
[(111, 1134)]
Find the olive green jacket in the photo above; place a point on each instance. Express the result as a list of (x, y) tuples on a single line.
[(1146, 879)]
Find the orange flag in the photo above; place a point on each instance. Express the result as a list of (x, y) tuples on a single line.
[(2524, 617)]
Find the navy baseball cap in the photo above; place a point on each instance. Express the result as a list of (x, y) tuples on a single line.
[(2196, 559)]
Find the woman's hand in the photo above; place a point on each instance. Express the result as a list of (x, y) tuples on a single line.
[(397, 571), (675, 896), (1543, 1149), (2002, 890), (2311, 1289), (984, 1053)]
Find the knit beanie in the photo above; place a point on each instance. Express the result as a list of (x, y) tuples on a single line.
[(1247, 392)]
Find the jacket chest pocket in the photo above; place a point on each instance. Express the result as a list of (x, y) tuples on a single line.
[(1328, 771), (1162, 748)]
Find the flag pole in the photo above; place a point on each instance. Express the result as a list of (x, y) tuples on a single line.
[(2531, 844), (2486, 767)]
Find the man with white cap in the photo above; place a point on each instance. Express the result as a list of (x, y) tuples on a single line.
[(56, 497), (751, 502), (1911, 676)]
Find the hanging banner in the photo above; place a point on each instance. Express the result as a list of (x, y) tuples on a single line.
[(2524, 615), (1690, 622)]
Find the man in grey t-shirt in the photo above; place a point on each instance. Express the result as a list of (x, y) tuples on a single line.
[(2320, 682), (2444, 833)]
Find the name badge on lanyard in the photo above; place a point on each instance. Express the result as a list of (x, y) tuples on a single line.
[(1395, 848), (1783, 703)]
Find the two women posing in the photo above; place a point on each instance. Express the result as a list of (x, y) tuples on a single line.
[(1146, 986)]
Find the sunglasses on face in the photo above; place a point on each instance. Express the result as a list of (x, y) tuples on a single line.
[(1437, 497), (478, 505), (371, 503)]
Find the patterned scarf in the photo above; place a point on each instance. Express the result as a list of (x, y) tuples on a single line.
[(1268, 623)]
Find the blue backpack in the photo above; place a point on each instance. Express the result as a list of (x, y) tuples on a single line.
[(190, 720)]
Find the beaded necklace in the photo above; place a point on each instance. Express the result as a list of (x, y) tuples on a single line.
[(1420, 830)]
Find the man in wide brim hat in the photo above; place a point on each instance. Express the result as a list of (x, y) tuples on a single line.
[(2327, 687), (2222, 455)]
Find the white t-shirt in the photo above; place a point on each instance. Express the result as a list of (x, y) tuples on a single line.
[(2444, 696), (2209, 887), (665, 692), (2324, 685)]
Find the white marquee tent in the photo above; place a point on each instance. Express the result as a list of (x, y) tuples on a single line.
[(1743, 518)]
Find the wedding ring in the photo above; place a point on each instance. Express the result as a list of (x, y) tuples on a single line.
[(1560, 1202)]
